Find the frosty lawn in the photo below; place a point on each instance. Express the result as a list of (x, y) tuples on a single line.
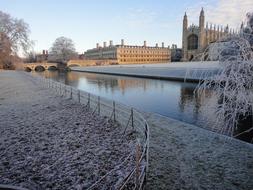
[(47, 141)]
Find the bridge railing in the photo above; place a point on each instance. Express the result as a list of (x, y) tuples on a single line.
[(131, 121)]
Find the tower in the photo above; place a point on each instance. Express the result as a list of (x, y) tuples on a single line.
[(184, 37), (201, 30)]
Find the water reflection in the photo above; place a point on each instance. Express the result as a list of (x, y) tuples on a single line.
[(169, 98)]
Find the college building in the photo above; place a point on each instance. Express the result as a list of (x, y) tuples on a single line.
[(196, 39), (129, 54)]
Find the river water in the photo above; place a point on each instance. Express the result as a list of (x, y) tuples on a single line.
[(168, 98)]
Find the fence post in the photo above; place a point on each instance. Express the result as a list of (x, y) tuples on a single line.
[(138, 155), (132, 117), (114, 116), (60, 89), (89, 101), (98, 105), (56, 88), (79, 96), (147, 148), (70, 92)]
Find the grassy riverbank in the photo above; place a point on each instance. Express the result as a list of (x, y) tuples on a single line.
[(50, 142), (183, 156)]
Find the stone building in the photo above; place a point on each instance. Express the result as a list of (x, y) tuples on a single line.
[(42, 57), (129, 54), (176, 53), (195, 39)]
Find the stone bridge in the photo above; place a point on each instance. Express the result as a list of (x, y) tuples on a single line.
[(39, 66)]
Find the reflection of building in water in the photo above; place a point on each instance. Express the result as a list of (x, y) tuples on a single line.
[(127, 54), (197, 38), (127, 84), (188, 97)]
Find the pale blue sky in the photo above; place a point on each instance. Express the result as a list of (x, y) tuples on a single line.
[(87, 22)]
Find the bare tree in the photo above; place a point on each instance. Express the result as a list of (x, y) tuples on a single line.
[(14, 37), (63, 50)]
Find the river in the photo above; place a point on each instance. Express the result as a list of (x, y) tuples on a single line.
[(168, 98)]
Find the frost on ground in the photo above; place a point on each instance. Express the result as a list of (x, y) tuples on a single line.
[(186, 157), (50, 142)]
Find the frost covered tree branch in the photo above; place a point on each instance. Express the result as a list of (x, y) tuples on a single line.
[(233, 85)]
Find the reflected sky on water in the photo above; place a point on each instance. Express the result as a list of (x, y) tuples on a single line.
[(168, 98)]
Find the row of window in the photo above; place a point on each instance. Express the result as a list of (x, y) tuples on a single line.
[(145, 51), (142, 60), (136, 56)]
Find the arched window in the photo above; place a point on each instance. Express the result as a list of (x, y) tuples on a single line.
[(192, 42)]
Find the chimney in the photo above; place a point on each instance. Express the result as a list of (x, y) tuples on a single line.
[(111, 43), (145, 43), (46, 52), (97, 45), (162, 44), (104, 44), (122, 42), (43, 52), (156, 45)]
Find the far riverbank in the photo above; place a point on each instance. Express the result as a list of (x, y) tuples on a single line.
[(178, 71)]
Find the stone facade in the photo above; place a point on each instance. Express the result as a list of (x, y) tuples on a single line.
[(195, 39), (128, 54), (176, 53)]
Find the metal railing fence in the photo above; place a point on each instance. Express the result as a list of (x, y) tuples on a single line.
[(129, 119)]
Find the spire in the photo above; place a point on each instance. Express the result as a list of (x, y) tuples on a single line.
[(242, 25), (207, 25), (202, 12), (185, 15), (227, 29)]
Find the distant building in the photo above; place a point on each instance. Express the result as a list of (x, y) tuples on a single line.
[(42, 57), (176, 53), (128, 54), (197, 38)]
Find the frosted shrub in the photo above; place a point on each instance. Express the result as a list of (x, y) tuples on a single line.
[(233, 87)]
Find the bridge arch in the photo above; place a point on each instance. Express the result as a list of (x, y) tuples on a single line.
[(52, 68), (28, 69), (39, 68)]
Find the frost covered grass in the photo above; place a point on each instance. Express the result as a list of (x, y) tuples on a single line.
[(48, 142)]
